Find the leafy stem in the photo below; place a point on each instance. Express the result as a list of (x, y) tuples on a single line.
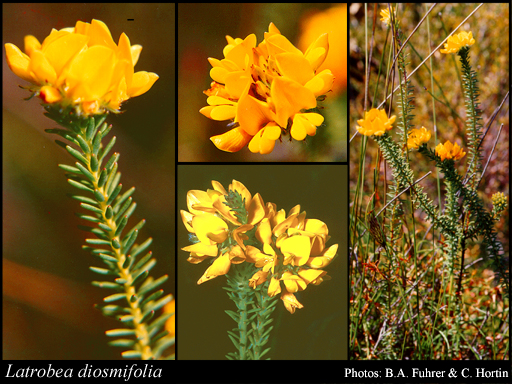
[(136, 300)]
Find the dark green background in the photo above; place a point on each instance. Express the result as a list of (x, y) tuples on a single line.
[(319, 330)]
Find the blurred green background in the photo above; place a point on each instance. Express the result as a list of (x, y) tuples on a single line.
[(201, 34), (47, 296), (317, 331)]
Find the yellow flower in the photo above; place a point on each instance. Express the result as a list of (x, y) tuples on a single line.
[(211, 222), (290, 301), (266, 90), (458, 41), (449, 151), (417, 137), (499, 201), (385, 17), (375, 123), (81, 67)]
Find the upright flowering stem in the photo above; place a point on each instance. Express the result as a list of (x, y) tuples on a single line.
[(81, 75)]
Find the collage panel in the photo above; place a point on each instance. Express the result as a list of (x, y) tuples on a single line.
[(88, 156), (429, 182), (262, 238), (262, 82)]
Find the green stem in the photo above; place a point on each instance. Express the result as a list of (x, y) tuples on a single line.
[(135, 302), (242, 295)]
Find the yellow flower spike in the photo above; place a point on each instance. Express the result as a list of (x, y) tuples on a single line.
[(417, 137), (290, 302), (456, 42), (448, 151), (83, 67), (375, 122)]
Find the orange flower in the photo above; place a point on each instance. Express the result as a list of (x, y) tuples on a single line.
[(448, 151), (267, 90), (81, 67)]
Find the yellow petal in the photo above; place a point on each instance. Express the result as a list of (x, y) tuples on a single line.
[(252, 114), (290, 302), (274, 287), (100, 35), (277, 44), (317, 51), (219, 267), (294, 67), (60, 52), (202, 249), (223, 112), (90, 73), (256, 210), (135, 51), (207, 224), (289, 98), (18, 62), (321, 83), (42, 69), (297, 246), (231, 141), (264, 231), (31, 44), (141, 83)]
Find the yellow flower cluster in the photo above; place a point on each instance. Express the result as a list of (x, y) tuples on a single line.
[(499, 201), (385, 16), (375, 123), (458, 41), (292, 250), (267, 90), (448, 151), (418, 137), (81, 67)]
